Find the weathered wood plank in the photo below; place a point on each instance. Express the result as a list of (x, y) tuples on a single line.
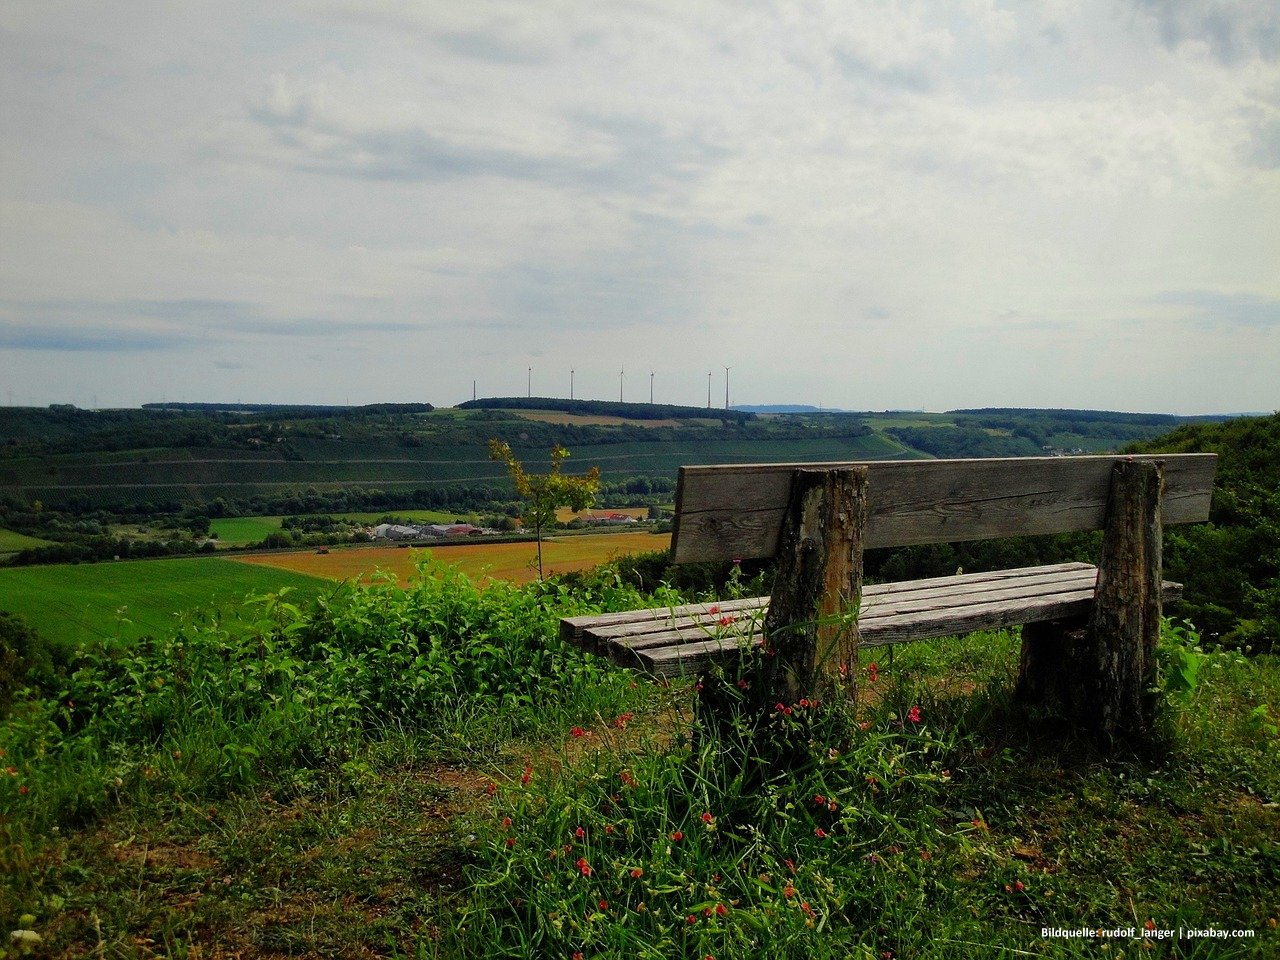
[(583, 630), (689, 645), (735, 512)]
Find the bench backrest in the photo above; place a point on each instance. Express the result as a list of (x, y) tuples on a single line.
[(736, 511)]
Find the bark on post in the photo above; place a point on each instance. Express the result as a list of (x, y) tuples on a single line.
[(812, 628), (1117, 657), (1098, 673)]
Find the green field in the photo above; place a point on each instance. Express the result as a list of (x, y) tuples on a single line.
[(239, 531), (12, 542), (75, 604)]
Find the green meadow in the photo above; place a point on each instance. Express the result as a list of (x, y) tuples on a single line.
[(12, 542), (71, 605)]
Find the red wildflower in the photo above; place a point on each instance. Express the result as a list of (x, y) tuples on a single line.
[(578, 732), (708, 818), (788, 891), (527, 775), (580, 833), (713, 609), (721, 909), (742, 685), (914, 714), (506, 823), (832, 805), (791, 865), (603, 904), (806, 908), (627, 779), (725, 621), (24, 789), (677, 836), (804, 703), (491, 789), (873, 672), (691, 919), (820, 833), (636, 873), (623, 720), (577, 955), (1019, 885), (608, 828), (583, 866), (511, 842), (820, 800)]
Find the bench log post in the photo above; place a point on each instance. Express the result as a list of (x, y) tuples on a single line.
[(811, 630), (1099, 673)]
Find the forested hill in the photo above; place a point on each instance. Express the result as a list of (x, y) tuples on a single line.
[(1231, 566)]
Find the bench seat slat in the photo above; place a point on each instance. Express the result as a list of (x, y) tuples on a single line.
[(671, 642)]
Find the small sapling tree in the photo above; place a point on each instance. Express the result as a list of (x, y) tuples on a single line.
[(544, 494)]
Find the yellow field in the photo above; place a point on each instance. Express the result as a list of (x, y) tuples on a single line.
[(516, 562), (565, 514)]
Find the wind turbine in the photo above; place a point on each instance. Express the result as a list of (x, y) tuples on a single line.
[(570, 383), (531, 381), (651, 386), (708, 389), (620, 375), (726, 387)]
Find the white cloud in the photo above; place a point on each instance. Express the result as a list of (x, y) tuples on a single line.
[(848, 199)]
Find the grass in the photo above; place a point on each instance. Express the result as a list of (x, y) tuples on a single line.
[(428, 773), (73, 605), (11, 542), (514, 562), (241, 531)]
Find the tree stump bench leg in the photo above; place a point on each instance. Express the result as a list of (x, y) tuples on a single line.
[(811, 629), (1099, 673)]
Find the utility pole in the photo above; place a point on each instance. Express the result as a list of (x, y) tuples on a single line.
[(726, 387)]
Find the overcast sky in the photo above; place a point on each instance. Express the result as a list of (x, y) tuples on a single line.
[(1069, 203)]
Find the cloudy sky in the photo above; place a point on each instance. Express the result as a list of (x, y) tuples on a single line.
[(1069, 203)]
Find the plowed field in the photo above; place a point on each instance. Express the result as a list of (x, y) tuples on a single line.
[(516, 562)]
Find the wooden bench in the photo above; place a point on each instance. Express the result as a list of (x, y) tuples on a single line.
[(816, 519)]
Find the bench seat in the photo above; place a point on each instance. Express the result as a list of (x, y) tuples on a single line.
[(686, 640)]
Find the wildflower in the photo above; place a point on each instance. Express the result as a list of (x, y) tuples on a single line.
[(1149, 925), (804, 703), (743, 685), (603, 904), (491, 789), (636, 873), (583, 867), (726, 621), (677, 836), (578, 732), (806, 908), (697, 687), (713, 609), (1019, 886), (506, 823), (24, 790), (708, 818), (788, 891), (511, 842), (820, 833), (623, 720), (820, 800), (844, 670), (873, 858), (865, 725), (914, 714), (11, 771), (580, 833), (691, 919), (873, 672), (721, 909), (706, 912), (527, 775), (577, 955), (627, 779), (608, 828), (791, 865)]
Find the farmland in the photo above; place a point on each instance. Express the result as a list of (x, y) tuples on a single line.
[(12, 542), (72, 605), (515, 562)]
